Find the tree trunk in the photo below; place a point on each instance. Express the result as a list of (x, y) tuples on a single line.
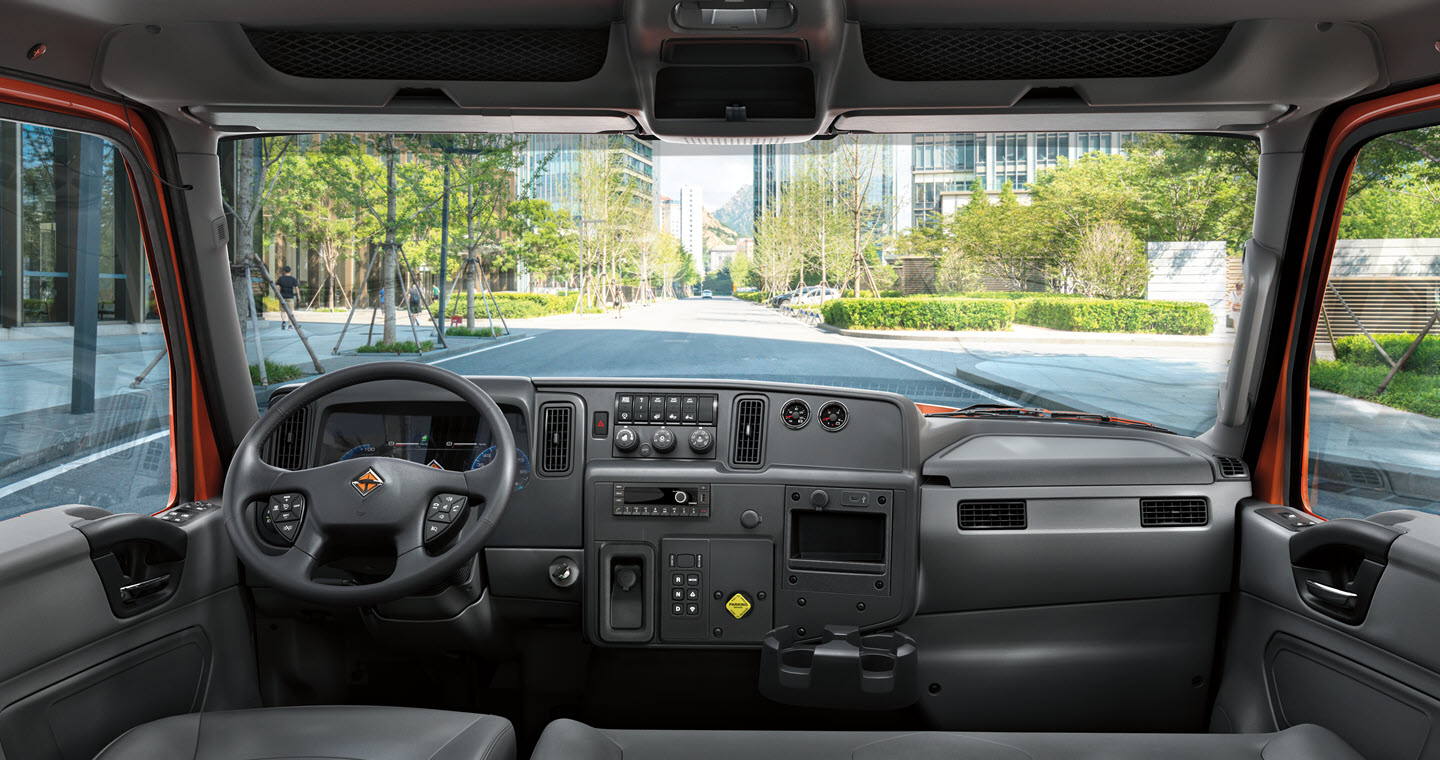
[(241, 246), (390, 262)]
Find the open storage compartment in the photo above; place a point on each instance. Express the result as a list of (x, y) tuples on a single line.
[(843, 669)]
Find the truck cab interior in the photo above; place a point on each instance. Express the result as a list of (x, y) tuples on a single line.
[(696, 565)]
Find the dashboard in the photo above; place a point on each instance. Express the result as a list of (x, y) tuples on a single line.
[(681, 513)]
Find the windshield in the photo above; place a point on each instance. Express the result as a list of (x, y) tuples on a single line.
[(1081, 271)]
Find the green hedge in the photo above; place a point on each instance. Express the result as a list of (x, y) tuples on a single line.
[(1410, 391), (1115, 316), (515, 305), (919, 313), (1356, 349), (753, 297)]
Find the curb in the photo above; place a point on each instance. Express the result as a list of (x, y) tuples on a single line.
[(1022, 396), (1058, 337)]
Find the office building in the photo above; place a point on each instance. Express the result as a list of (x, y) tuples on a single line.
[(692, 225), (944, 166)]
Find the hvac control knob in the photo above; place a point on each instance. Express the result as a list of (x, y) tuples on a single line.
[(663, 440), (626, 439), (701, 440)]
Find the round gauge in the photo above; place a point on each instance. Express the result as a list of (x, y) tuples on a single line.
[(795, 414), (363, 450), (833, 416), (522, 465)]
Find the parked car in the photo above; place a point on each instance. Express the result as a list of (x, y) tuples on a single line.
[(815, 295)]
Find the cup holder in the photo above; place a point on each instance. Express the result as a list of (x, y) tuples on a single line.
[(843, 669)]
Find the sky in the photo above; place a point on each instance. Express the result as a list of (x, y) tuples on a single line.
[(719, 170)]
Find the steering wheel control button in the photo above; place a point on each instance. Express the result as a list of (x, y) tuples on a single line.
[(287, 530), (367, 483), (738, 606), (444, 513)]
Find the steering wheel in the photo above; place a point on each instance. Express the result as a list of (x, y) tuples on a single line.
[(434, 520)]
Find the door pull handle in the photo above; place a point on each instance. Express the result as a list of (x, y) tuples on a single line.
[(1332, 595)]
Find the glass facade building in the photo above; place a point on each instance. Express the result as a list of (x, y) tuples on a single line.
[(50, 203), (552, 166), (775, 166), (951, 163)]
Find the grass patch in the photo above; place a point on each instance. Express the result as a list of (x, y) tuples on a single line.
[(476, 332), (398, 347), (275, 373), (1357, 349), (1410, 391)]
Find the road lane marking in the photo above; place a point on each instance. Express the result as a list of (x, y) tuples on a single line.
[(81, 462), (479, 350), (935, 375)]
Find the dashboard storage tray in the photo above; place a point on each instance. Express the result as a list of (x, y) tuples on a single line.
[(844, 669)]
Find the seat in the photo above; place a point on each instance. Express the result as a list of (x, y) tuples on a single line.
[(352, 733), (569, 740)]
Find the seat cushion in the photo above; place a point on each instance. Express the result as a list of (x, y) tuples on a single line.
[(568, 740), (316, 733)]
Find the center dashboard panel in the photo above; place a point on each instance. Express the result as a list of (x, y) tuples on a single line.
[(716, 515), (675, 515)]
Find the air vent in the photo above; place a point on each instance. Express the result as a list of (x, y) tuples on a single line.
[(555, 425), (992, 515), (749, 448), (1230, 467), (285, 448), (1173, 513), (937, 55), (477, 55)]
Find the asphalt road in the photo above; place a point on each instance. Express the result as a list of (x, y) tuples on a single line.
[(726, 338), (719, 338)]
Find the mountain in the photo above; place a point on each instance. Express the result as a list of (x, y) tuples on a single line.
[(737, 212), (716, 233)]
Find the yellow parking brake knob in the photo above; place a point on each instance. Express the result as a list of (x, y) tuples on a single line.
[(738, 606)]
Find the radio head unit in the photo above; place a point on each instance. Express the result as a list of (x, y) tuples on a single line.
[(661, 500)]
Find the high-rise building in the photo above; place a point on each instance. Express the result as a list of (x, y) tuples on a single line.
[(692, 225), (945, 166), (885, 170), (552, 167), (669, 212)]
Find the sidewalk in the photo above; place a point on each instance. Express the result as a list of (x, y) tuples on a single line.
[(36, 423)]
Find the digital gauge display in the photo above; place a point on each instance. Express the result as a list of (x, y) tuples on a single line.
[(443, 436)]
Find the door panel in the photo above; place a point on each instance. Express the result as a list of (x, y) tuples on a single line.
[(1375, 683), (73, 675)]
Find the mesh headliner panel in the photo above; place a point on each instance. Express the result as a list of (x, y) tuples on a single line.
[(494, 55), (932, 55)]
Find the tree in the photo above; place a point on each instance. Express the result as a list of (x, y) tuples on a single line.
[(482, 168), (304, 207), (1108, 262), (391, 179), (997, 237), (535, 237), (259, 166)]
